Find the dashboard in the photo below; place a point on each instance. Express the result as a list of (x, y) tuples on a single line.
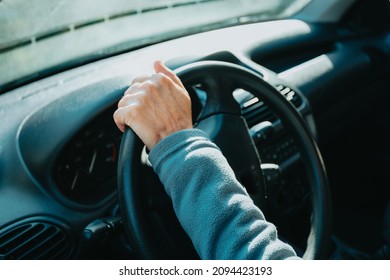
[(59, 144)]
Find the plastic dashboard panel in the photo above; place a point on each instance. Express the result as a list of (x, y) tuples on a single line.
[(47, 132)]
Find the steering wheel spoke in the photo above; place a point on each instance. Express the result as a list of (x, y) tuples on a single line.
[(220, 98)]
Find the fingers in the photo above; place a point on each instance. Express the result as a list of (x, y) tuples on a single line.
[(126, 105), (119, 118), (128, 99), (160, 67), (155, 106), (141, 79), (137, 83)]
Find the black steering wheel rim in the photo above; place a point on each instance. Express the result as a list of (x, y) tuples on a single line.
[(132, 202)]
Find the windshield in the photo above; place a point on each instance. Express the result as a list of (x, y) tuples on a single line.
[(40, 37)]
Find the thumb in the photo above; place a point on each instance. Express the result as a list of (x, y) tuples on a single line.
[(160, 67)]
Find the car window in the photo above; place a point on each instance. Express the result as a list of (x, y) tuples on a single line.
[(38, 36)]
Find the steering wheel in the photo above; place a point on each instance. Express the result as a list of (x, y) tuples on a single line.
[(162, 237)]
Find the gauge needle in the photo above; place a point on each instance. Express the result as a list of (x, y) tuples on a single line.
[(74, 181), (92, 162)]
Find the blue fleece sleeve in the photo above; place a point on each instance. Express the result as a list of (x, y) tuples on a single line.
[(212, 206)]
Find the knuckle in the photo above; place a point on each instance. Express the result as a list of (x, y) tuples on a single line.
[(139, 79), (127, 92), (149, 87), (164, 78), (118, 117), (123, 101), (135, 80), (141, 101), (133, 86), (120, 103), (160, 78), (115, 116)]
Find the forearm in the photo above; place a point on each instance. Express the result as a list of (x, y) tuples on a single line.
[(212, 206)]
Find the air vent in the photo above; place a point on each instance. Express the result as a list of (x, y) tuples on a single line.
[(255, 111), (291, 95), (34, 241)]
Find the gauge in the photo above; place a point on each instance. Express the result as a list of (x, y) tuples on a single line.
[(85, 170)]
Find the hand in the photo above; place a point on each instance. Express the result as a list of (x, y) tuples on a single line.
[(155, 106)]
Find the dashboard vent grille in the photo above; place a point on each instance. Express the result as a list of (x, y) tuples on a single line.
[(34, 241), (290, 95), (255, 111)]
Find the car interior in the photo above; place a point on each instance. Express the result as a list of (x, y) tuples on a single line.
[(312, 88)]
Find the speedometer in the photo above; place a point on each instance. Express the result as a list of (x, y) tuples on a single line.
[(85, 170)]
